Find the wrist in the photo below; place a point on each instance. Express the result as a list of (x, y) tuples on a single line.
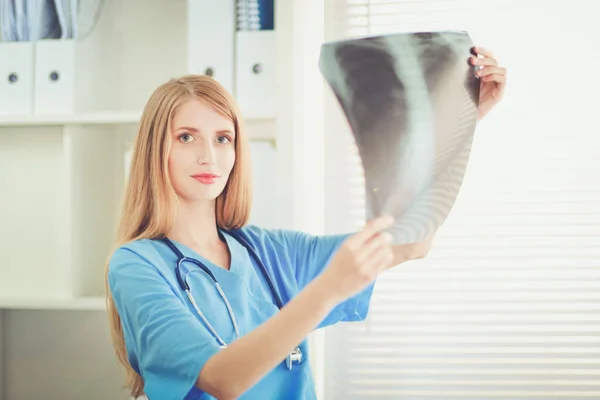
[(323, 290)]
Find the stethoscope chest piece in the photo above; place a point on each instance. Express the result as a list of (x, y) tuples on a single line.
[(294, 357)]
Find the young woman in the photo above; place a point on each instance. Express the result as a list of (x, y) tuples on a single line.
[(204, 306)]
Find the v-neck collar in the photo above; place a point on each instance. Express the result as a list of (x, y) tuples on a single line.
[(236, 255)]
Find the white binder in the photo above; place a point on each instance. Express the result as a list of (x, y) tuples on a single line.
[(54, 77), (16, 78), (256, 74), (211, 38)]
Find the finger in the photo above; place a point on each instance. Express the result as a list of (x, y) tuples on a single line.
[(374, 245), (486, 62), (483, 51), (494, 78), (491, 70), (373, 227)]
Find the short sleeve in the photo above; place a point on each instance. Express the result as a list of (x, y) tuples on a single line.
[(311, 254), (165, 342)]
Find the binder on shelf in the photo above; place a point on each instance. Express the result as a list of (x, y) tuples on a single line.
[(54, 77), (16, 78), (211, 39), (256, 73), (255, 58), (37, 67), (255, 15)]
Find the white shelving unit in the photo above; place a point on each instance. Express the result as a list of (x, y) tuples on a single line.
[(95, 118), (62, 177)]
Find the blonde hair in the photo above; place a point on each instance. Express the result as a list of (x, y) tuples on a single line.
[(148, 208)]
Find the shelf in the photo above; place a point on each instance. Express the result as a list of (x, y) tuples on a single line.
[(65, 152), (98, 118), (257, 129), (82, 303)]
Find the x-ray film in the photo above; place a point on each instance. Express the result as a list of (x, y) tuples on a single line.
[(411, 102)]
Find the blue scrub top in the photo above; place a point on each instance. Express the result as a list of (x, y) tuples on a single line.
[(167, 342)]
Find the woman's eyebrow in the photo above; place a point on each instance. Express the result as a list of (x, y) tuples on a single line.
[(195, 130), (222, 131), (187, 128)]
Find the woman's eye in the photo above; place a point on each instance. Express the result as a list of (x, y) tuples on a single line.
[(223, 139), (185, 137)]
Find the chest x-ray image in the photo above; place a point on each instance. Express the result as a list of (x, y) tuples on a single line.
[(411, 102)]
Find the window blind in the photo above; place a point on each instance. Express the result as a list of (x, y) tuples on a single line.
[(507, 303)]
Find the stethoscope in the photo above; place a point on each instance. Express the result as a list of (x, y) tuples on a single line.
[(294, 357)]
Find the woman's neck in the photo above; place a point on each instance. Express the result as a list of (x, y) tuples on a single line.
[(195, 226)]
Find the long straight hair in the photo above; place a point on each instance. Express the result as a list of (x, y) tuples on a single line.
[(149, 203)]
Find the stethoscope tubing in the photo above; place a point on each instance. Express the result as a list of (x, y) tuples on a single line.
[(294, 356)]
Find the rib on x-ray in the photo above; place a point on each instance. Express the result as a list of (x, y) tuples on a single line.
[(411, 102)]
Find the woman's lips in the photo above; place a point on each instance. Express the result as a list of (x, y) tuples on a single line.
[(206, 179)]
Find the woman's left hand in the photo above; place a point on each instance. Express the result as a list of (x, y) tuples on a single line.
[(492, 80)]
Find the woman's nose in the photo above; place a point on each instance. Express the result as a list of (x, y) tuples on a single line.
[(206, 153)]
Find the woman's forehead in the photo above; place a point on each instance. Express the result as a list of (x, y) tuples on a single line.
[(200, 116)]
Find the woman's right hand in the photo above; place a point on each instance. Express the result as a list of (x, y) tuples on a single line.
[(359, 260)]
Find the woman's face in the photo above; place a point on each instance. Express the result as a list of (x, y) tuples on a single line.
[(202, 152)]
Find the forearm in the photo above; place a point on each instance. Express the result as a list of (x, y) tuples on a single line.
[(244, 362)]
